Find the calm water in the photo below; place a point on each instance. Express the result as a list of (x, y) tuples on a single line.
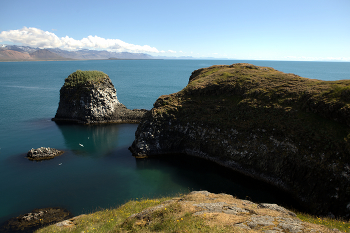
[(103, 173)]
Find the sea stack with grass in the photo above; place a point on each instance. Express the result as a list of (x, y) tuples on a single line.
[(89, 97), (289, 131)]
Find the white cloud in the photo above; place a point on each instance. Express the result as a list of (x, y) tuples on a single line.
[(43, 39), (171, 51)]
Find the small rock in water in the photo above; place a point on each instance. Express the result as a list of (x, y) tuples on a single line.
[(37, 218), (43, 153)]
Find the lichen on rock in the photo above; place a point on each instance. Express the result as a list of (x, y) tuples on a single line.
[(90, 97), (286, 130)]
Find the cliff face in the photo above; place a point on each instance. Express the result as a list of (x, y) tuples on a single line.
[(286, 130), (90, 97)]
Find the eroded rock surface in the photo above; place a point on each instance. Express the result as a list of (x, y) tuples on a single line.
[(223, 209)]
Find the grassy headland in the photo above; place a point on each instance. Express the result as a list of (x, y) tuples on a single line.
[(246, 97), (289, 131)]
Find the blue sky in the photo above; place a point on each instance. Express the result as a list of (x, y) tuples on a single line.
[(249, 29)]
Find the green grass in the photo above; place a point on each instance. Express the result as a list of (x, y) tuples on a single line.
[(107, 220), (80, 77), (168, 219), (339, 224)]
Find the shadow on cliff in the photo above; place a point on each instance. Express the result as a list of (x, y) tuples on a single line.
[(90, 140), (200, 174)]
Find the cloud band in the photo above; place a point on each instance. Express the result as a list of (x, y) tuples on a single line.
[(43, 39)]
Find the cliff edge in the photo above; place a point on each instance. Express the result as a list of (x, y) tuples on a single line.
[(289, 131), (89, 97)]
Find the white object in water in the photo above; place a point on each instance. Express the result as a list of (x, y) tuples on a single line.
[(60, 164), (81, 145)]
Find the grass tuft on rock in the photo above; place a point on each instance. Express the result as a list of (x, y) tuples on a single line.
[(89, 77)]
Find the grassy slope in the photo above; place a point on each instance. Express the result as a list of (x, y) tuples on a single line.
[(170, 219)]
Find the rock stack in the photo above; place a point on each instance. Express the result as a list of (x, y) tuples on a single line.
[(89, 97)]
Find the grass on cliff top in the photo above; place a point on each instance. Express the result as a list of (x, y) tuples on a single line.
[(80, 77), (247, 97), (169, 219), (266, 82)]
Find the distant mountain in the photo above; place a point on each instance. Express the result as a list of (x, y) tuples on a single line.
[(13, 55), (26, 53), (45, 54)]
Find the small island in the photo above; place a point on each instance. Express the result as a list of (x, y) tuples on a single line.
[(89, 97), (43, 153)]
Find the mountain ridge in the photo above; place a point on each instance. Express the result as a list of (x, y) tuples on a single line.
[(27, 53)]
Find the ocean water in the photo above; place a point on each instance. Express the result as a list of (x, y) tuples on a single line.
[(102, 173)]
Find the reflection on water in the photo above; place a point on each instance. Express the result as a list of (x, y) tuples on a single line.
[(90, 139)]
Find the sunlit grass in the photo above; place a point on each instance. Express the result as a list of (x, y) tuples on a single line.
[(331, 223), (108, 220), (80, 77)]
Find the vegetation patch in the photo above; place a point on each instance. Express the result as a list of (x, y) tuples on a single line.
[(89, 78), (196, 212), (331, 223)]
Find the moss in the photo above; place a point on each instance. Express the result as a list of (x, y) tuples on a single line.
[(80, 77)]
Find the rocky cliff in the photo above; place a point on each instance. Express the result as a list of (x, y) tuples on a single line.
[(89, 97), (289, 131)]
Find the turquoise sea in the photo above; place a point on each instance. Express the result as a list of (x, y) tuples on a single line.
[(103, 173)]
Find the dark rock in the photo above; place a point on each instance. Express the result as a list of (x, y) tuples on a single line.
[(286, 130), (36, 219), (93, 100), (43, 153)]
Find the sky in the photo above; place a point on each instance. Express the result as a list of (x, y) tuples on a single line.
[(300, 30)]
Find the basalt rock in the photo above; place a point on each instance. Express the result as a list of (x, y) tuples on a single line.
[(43, 153), (89, 97), (289, 131)]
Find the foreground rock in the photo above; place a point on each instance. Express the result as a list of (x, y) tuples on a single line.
[(43, 153), (289, 131), (216, 210), (89, 97), (35, 219)]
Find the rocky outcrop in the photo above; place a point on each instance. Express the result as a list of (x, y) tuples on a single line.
[(36, 219), (43, 153), (224, 209), (289, 131), (89, 97)]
